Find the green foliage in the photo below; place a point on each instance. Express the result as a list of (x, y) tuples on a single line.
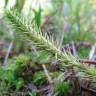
[(8, 74), (61, 88), (83, 51), (19, 5), (4, 30), (43, 57), (76, 36), (37, 16), (43, 42), (6, 2), (21, 60), (34, 93), (39, 78), (19, 83), (54, 75), (70, 19), (93, 82), (76, 30), (3, 88)]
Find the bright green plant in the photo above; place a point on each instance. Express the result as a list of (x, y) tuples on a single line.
[(19, 5), (34, 93), (39, 78), (42, 41), (61, 88), (83, 51), (9, 76), (37, 17), (43, 57)]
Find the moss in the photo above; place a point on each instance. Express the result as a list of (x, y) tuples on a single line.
[(83, 51)]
